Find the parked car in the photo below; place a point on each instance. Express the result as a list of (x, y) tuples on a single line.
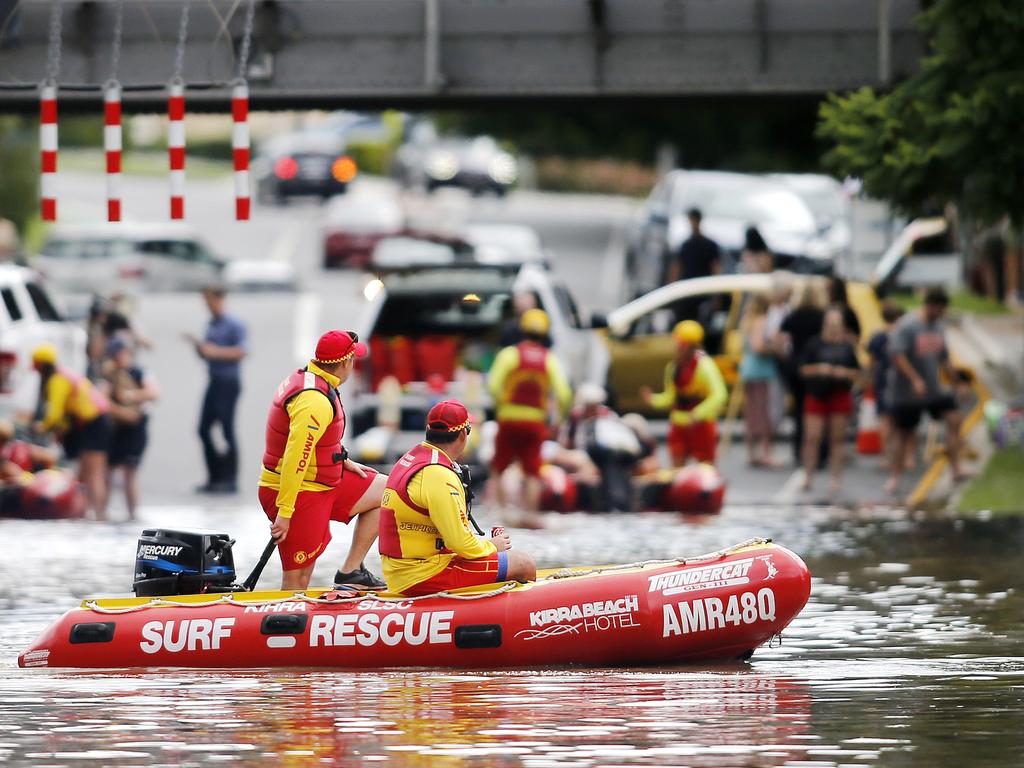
[(307, 163), (104, 258), (355, 223), (475, 164), (30, 317), (431, 328), (639, 342), (730, 203)]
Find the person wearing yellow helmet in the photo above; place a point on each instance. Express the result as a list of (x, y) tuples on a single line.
[(525, 380), (694, 394), (78, 413)]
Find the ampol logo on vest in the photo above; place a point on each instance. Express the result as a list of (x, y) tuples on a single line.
[(307, 448)]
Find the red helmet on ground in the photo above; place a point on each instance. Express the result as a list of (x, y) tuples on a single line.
[(698, 488), (558, 490)]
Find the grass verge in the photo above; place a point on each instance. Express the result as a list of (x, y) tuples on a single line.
[(962, 301), (141, 164), (1000, 487)]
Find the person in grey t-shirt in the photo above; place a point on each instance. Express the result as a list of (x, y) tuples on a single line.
[(918, 354)]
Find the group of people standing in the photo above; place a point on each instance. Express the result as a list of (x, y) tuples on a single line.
[(99, 417), (810, 351)]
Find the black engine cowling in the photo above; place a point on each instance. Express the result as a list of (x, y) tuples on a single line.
[(183, 562)]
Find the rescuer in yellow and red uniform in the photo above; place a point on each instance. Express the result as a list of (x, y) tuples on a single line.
[(425, 542), (522, 381), (78, 413), (694, 395), (308, 479)]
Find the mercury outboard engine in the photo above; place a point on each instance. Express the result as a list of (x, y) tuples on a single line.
[(183, 562)]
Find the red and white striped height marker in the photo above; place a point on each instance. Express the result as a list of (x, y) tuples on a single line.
[(48, 151), (240, 149), (176, 148), (112, 147)]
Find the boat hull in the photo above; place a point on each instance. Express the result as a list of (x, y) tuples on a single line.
[(719, 606)]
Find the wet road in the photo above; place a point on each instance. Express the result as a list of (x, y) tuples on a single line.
[(584, 236), (908, 653)]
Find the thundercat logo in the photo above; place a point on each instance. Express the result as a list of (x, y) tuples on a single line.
[(707, 577), (153, 551)]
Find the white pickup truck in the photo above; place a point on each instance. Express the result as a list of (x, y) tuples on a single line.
[(425, 312), (28, 318)]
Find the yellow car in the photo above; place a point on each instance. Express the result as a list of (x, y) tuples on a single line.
[(639, 341)]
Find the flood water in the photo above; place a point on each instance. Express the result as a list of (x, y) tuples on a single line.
[(910, 652)]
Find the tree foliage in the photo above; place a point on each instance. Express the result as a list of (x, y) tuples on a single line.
[(19, 171), (951, 132)]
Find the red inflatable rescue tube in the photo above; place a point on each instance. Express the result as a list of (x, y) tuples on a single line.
[(718, 606)]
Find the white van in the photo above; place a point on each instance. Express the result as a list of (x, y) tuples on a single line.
[(28, 318)]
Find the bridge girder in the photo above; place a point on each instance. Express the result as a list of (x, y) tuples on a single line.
[(326, 53)]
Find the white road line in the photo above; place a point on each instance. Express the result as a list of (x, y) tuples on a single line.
[(307, 320), (285, 243), (791, 488)]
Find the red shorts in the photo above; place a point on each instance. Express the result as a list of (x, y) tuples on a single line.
[(464, 573), (519, 441), (836, 404), (310, 530), (698, 440)]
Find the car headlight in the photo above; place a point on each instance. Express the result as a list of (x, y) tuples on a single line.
[(442, 166), (503, 169)]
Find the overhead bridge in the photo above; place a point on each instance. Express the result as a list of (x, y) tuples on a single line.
[(429, 53)]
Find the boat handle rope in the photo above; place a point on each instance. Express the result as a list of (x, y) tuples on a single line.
[(228, 598), (567, 573)]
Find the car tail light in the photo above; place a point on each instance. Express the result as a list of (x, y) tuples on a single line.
[(344, 169), (8, 364), (131, 273), (286, 168)]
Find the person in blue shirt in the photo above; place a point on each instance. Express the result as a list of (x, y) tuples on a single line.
[(223, 348)]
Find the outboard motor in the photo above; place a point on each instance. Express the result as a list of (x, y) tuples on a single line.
[(183, 562)]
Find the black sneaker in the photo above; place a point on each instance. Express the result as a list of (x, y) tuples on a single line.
[(360, 577)]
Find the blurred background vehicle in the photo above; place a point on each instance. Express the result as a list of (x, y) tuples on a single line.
[(355, 223), (730, 203), (103, 257), (30, 317), (639, 335), (830, 205), (306, 163), (436, 330), (502, 243), (476, 164)]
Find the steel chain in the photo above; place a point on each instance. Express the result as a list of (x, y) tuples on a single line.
[(243, 53), (115, 45), (179, 52), (53, 47)]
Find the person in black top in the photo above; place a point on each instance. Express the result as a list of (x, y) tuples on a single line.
[(829, 369), (800, 326), (698, 256), (130, 390)]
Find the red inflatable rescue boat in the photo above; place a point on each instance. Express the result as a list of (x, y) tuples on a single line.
[(717, 606)]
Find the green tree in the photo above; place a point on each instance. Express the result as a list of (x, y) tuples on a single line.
[(19, 171), (951, 132)]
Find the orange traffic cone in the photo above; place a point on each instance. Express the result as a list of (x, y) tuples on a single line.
[(869, 436)]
